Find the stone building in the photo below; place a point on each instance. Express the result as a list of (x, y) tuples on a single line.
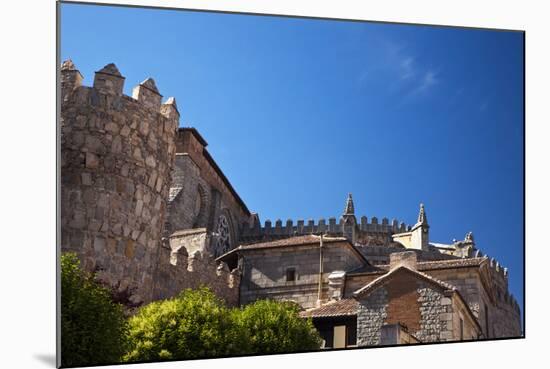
[(145, 206)]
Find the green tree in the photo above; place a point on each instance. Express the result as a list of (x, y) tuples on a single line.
[(195, 324), (93, 327), (276, 327)]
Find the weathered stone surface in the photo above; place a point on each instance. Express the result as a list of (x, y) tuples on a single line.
[(104, 160), (92, 161)]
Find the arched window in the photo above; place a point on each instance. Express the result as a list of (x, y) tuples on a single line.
[(224, 238)]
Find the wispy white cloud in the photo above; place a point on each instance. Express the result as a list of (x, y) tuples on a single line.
[(403, 71), (428, 80), (407, 68)]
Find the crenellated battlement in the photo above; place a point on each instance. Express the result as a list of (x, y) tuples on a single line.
[(289, 228), (108, 84), (499, 275), (184, 263)]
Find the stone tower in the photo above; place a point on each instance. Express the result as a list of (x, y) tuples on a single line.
[(117, 154)]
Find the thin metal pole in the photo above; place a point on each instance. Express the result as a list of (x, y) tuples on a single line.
[(320, 270)]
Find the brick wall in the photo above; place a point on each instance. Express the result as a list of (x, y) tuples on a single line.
[(403, 302), (426, 312)]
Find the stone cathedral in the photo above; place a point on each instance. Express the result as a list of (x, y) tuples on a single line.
[(145, 206)]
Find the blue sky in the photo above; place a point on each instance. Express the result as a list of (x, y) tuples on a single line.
[(299, 112)]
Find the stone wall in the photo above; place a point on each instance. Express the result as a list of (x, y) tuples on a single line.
[(201, 195), (435, 313), (178, 270), (264, 272), (366, 232), (189, 200), (469, 327), (379, 255), (371, 315), (116, 157), (428, 313), (491, 294), (469, 284)]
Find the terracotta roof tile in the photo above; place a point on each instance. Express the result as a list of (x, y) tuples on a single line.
[(293, 241), (424, 265), (450, 263), (344, 307)]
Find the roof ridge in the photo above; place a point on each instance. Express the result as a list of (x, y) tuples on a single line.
[(450, 260), (392, 272)]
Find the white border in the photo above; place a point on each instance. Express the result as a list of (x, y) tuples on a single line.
[(28, 179)]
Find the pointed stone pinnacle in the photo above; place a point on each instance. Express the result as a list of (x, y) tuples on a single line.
[(422, 218), (350, 208)]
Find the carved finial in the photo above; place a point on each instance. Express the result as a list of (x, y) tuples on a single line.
[(350, 209), (469, 237), (422, 218)]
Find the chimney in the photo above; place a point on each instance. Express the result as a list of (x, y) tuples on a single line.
[(406, 259)]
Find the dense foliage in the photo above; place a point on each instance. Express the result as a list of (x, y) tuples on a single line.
[(196, 324), (93, 327), (275, 327)]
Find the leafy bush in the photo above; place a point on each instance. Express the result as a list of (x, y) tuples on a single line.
[(93, 328), (195, 324), (276, 327)]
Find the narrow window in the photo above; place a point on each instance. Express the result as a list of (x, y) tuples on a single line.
[(461, 329), (290, 274)]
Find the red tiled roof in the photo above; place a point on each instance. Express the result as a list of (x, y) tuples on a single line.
[(450, 263), (344, 307), (308, 239), (425, 265)]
